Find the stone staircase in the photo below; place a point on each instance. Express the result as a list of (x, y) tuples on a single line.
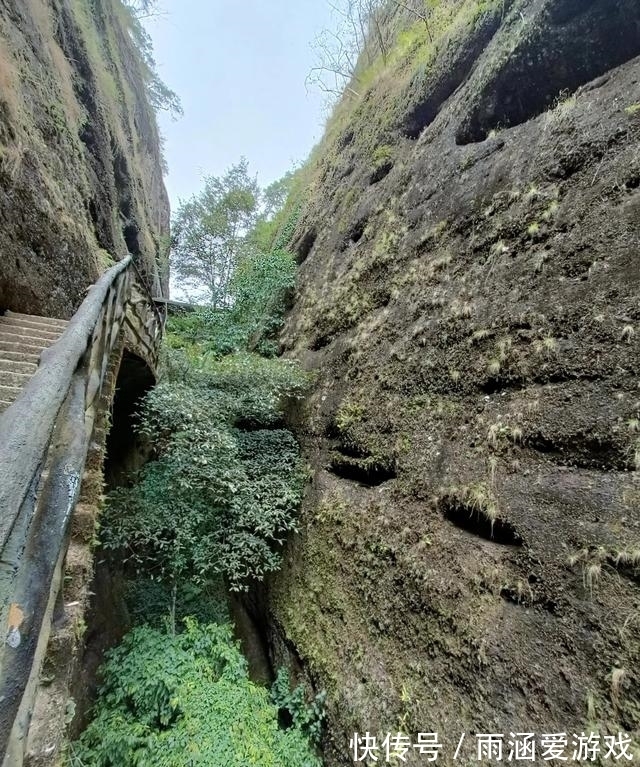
[(23, 337)]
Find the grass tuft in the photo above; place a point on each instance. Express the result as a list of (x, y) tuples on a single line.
[(494, 367), (628, 332)]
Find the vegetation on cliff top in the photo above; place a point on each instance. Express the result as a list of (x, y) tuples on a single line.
[(376, 67)]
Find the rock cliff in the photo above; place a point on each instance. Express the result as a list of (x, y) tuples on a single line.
[(80, 162), (468, 297)]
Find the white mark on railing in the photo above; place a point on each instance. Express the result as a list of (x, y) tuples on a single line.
[(73, 481)]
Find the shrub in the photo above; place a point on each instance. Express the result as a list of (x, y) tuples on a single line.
[(153, 603), (307, 717), (259, 292), (185, 700), (261, 285), (237, 389), (218, 500)]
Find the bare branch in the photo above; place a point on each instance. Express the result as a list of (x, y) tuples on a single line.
[(419, 15), (359, 38)]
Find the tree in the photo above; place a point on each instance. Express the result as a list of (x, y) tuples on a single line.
[(143, 9), (160, 95), (210, 234), (364, 32), (272, 201), (361, 35)]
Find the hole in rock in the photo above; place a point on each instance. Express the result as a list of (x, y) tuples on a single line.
[(424, 112), (305, 244), (131, 237), (467, 518), (357, 230), (381, 172), (126, 451), (584, 451), (367, 471)]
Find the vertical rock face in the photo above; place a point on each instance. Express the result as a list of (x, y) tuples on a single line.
[(468, 295), (80, 161)]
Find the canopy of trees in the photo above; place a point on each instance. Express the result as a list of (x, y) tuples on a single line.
[(217, 231)]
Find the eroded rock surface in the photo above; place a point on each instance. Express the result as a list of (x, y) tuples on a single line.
[(470, 548), (80, 168)]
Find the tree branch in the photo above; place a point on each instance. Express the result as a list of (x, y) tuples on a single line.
[(419, 15)]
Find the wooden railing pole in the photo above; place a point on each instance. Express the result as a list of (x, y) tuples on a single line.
[(60, 398)]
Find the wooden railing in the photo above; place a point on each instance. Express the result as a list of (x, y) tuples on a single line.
[(44, 439)]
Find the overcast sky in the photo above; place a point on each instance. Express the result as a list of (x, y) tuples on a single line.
[(240, 69)]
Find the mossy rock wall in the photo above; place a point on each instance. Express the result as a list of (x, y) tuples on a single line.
[(80, 163), (468, 296)]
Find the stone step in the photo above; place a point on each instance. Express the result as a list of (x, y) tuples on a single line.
[(33, 319), (8, 395), (18, 347), (13, 366), (17, 355), (13, 379), (38, 331), (28, 336)]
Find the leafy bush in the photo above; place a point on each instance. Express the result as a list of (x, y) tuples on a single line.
[(259, 290), (182, 701), (153, 603), (306, 717), (259, 387), (260, 287), (217, 500), (234, 390)]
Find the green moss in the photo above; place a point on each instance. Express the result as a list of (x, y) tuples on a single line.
[(382, 154), (348, 414), (109, 94)]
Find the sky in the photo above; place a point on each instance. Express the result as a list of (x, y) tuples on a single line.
[(239, 67)]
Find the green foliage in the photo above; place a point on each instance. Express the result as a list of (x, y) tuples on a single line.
[(185, 700), (382, 154), (274, 199), (260, 286), (231, 240), (160, 95), (154, 603), (215, 506), (237, 389), (259, 386), (306, 717), (348, 414), (217, 500), (287, 227), (259, 289), (210, 234)]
